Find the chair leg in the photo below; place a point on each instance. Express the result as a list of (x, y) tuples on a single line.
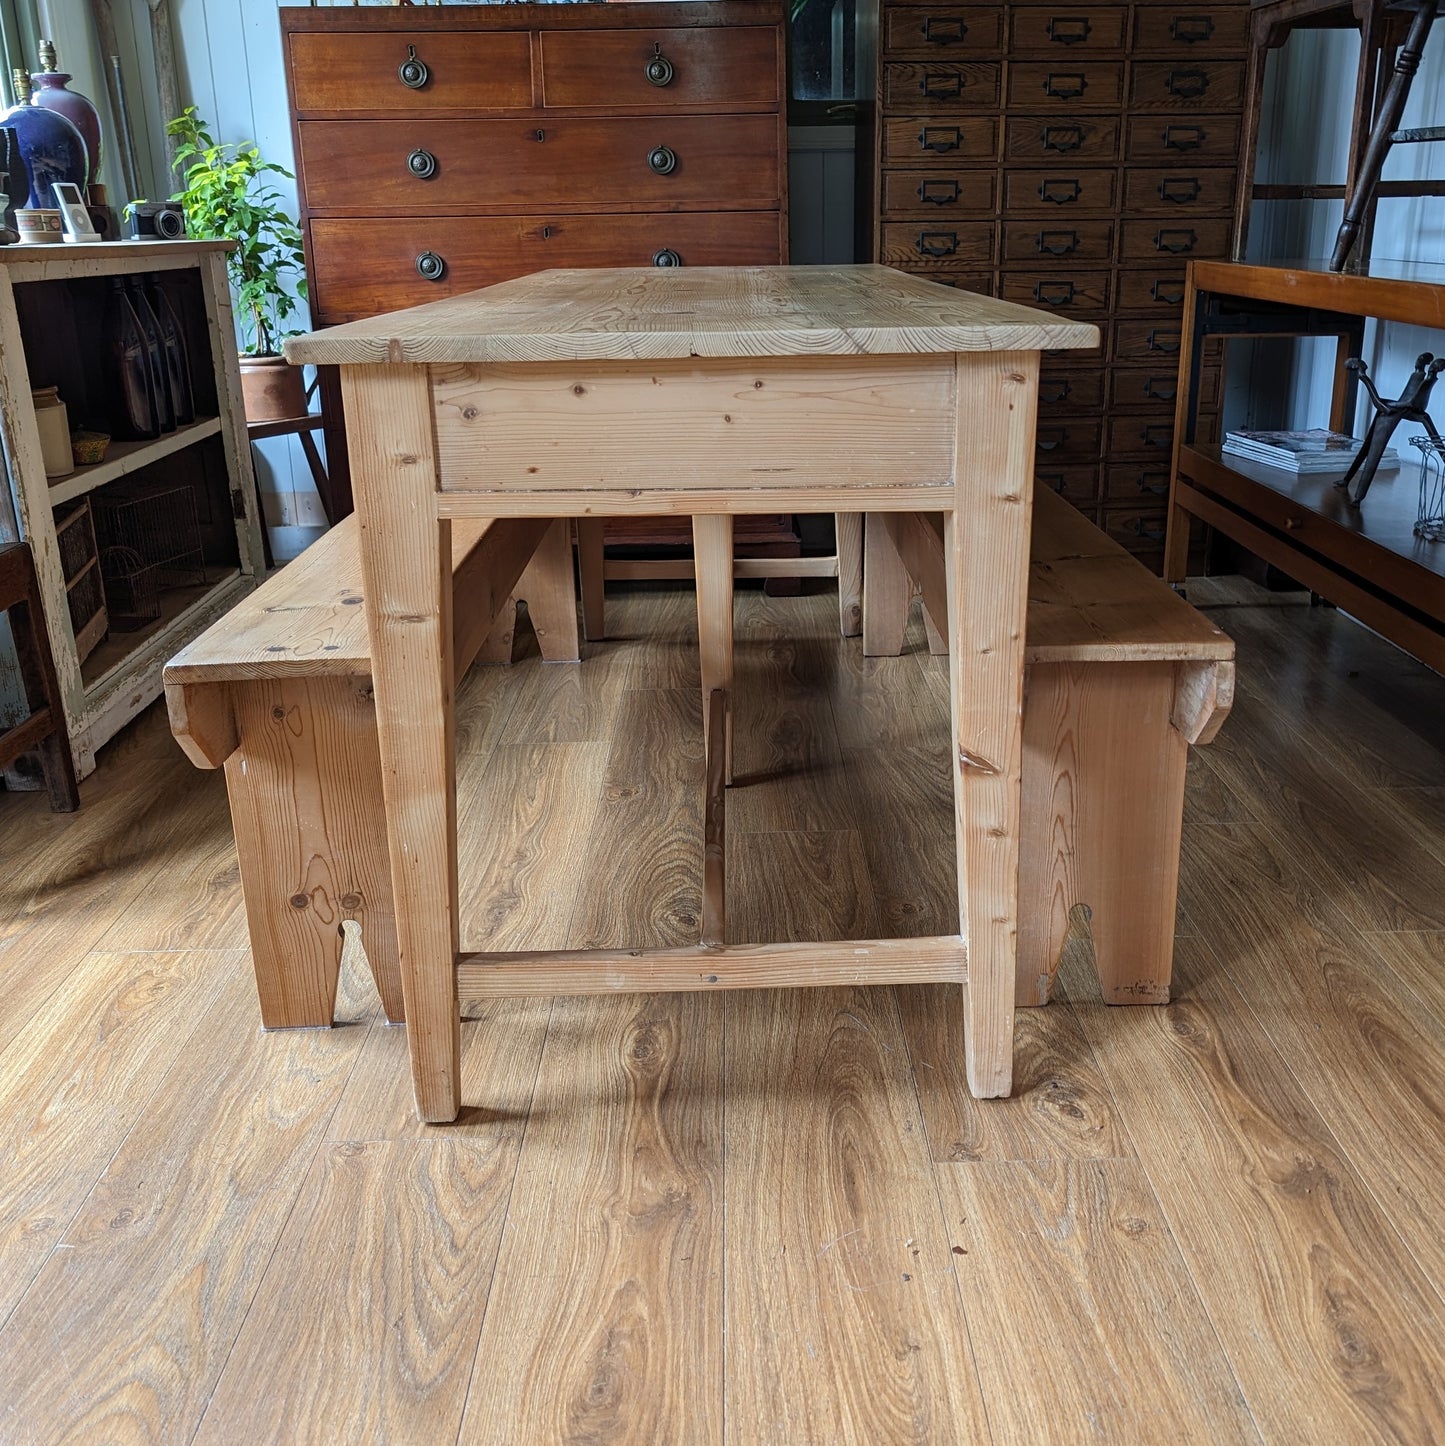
[(590, 570), (712, 544)]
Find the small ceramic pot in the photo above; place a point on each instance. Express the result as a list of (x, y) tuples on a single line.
[(271, 389), (54, 427)]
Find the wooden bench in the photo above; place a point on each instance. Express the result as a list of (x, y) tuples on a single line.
[(1123, 675), (279, 693)]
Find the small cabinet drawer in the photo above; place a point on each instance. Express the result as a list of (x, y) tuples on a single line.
[(1166, 141), (969, 279), (1151, 290), (1086, 30), (411, 73), (1144, 389), (1205, 30), (1086, 85), (1072, 441), (1072, 389), (1148, 343), (944, 246), (1054, 192), (362, 267), (936, 193), (664, 69), (1163, 238), (1076, 484), (1049, 138), (943, 30), (1050, 241), (1143, 484), (1186, 85), (911, 141), (1144, 436), (1069, 292), (1138, 529), (657, 163), (943, 85), (1181, 188)]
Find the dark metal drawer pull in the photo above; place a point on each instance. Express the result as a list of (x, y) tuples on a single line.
[(1154, 489), (944, 29), (1060, 192), (1056, 480), (1069, 29), (1187, 84), (939, 193), (422, 164), (1154, 534), (942, 87), (1054, 293), (666, 257), (1160, 436), (1180, 190), (1165, 341), (1057, 437), (1063, 138), (1057, 243), (1066, 85), (940, 139), (662, 160), (1167, 292), (1184, 138), (658, 70), (937, 243), (1176, 242), (1191, 29), (1055, 392), (430, 266), (413, 72), (1161, 389)]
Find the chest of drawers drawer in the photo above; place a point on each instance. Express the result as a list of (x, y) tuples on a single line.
[(364, 267), (1144, 437), (949, 30), (940, 86), (1073, 293), (936, 193), (1062, 442), (921, 246), (1080, 389), (1156, 240), (1186, 85), (1206, 30), (1050, 138), (1065, 85), (915, 141), (1147, 343), (1059, 190), (1062, 30), (1178, 189), (1153, 290), (698, 68), (411, 73), (1080, 241), (1164, 140), (1144, 389), (1078, 484), (1143, 484), (638, 163)]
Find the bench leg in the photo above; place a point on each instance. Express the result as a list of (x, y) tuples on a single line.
[(849, 529), (1103, 800), (712, 545), (590, 571), (548, 589), (306, 804), (887, 589)]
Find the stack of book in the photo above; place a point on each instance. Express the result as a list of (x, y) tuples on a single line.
[(1306, 453)]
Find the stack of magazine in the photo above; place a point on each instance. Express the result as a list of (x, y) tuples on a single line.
[(1317, 451)]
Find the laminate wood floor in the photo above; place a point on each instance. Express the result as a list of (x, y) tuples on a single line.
[(772, 1217)]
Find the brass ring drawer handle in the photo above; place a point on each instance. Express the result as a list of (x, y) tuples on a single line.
[(422, 164), (659, 70), (413, 73), (662, 160), (430, 266), (666, 257)]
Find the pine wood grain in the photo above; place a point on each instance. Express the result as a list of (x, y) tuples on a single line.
[(604, 1319), (843, 1316)]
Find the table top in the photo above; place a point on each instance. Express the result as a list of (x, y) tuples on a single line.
[(1404, 291), (654, 313)]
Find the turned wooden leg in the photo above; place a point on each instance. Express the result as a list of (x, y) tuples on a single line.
[(548, 589), (590, 564), (407, 566), (306, 804), (887, 589), (986, 555), (712, 543), (849, 529)]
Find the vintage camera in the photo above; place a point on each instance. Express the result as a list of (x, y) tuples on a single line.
[(156, 221)]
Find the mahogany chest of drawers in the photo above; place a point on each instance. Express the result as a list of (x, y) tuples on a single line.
[(1073, 158), (441, 149)]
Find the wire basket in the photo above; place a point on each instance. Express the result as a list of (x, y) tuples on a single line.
[(150, 541), (1430, 518)]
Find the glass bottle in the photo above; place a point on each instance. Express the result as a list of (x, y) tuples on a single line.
[(135, 412), (178, 362), (155, 351)]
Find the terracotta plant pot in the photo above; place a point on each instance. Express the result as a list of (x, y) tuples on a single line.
[(271, 390)]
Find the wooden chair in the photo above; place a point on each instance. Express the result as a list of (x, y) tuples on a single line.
[(44, 730)]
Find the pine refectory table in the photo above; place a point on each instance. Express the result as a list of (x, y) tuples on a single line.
[(710, 392)]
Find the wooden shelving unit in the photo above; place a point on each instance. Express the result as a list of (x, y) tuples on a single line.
[(51, 333)]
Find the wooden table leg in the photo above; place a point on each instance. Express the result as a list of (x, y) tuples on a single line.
[(712, 545), (887, 590), (407, 565), (548, 590), (849, 547), (986, 552)]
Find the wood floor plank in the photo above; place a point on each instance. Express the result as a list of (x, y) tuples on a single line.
[(1331, 1328), (565, 702), (77, 1079), (604, 1322), (1097, 1295), (124, 1333), (843, 1317), (1061, 1107), (797, 887), (1418, 960)]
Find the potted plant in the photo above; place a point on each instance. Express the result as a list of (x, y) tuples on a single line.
[(228, 194)]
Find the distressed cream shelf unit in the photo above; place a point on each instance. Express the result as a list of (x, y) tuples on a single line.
[(53, 305)]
